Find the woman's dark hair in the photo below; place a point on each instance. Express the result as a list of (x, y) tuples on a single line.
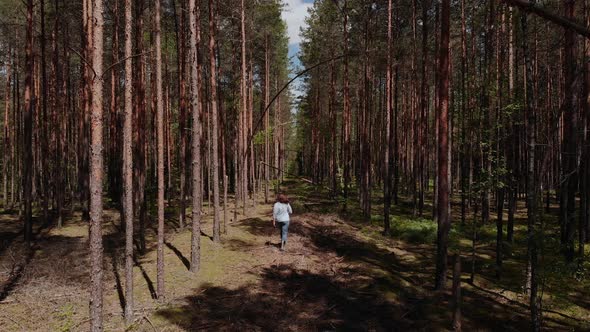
[(282, 198)]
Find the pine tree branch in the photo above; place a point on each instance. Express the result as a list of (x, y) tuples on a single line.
[(531, 7)]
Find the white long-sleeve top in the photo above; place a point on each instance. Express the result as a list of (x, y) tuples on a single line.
[(281, 212)]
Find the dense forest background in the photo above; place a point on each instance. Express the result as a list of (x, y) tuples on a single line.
[(459, 125)]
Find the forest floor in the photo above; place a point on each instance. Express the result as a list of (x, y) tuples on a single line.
[(338, 273)]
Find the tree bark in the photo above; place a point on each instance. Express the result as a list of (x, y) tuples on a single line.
[(569, 169), (96, 168), (182, 123), (456, 293), (6, 157), (139, 132), (160, 157), (195, 37), (531, 186), (444, 223), (27, 152), (346, 113), (388, 111), (565, 22), (128, 165), (44, 120), (244, 109), (585, 186), (214, 120), (58, 103)]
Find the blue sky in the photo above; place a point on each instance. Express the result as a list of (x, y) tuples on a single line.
[(294, 15)]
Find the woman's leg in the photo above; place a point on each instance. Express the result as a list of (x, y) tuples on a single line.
[(280, 227), (284, 231)]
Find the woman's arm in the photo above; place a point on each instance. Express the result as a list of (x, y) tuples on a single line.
[(289, 208)]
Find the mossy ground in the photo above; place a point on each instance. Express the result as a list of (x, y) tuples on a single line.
[(339, 273)]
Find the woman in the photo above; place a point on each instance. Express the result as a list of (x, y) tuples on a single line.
[(280, 214)]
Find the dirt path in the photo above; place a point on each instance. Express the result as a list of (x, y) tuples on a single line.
[(314, 285)]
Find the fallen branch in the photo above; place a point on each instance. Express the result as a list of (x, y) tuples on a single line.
[(80, 323), (149, 321), (15, 322), (294, 297), (326, 311)]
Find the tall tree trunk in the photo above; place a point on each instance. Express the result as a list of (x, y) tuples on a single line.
[(96, 168), (128, 165), (424, 91), (58, 103), (346, 113), (244, 107), (195, 38), (569, 145), (585, 107), (140, 125), (585, 186), (444, 223), (27, 153), (388, 111), (43, 123), (160, 157), (114, 165), (266, 119), (214, 121), (531, 184), (394, 139), (499, 143), (15, 134), (276, 134), (463, 145), (182, 123), (6, 158), (84, 119)]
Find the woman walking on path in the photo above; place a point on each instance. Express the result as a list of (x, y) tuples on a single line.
[(280, 214)]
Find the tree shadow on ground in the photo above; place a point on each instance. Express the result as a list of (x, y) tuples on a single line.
[(23, 252), (15, 274), (179, 254), (299, 300), (257, 226), (375, 290), (238, 245), (12, 230), (7, 238), (286, 299), (114, 246)]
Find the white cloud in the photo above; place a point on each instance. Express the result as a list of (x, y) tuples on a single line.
[(294, 14)]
